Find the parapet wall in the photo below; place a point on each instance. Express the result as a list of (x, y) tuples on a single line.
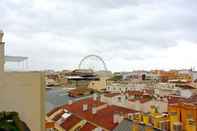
[(23, 92)]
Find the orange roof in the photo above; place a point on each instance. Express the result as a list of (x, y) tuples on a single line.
[(103, 118), (49, 124), (70, 122), (88, 127)]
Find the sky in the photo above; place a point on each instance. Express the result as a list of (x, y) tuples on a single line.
[(127, 34)]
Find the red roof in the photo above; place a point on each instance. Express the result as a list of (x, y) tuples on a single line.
[(111, 94), (88, 127), (49, 124), (103, 118), (144, 100), (131, 93), (70, 122), (132, 100)]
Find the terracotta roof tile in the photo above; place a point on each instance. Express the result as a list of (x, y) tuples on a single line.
[(111, 94), (88, 127), (70, 122), (49, 124), (131, 93), (103, 118)]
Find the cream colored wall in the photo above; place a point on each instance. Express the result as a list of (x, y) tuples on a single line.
[(98, 85), (1, 54), (23, 92), (1, 62), (1, 57)]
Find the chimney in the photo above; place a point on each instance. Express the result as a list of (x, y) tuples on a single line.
[(116, 117), (94, 110), (130, 116), (121, 117), (70, 102), (85, 107), (60, 121), (1, 52), (94, 96)]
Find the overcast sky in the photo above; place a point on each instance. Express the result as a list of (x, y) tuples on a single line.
[(127, 34)]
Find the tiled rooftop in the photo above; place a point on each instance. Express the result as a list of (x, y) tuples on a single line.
[(111, 94), (103, 118), (70, 122), (144, 100), (131, 93), (88, 127), (49, 124), (178, 99)]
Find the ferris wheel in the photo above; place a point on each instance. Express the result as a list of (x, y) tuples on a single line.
[(93, 62)]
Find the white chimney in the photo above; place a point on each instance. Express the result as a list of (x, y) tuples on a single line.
[(85, 107), (60, 121), (116, 117), (97, 129), (130, 116), (123, 99), (94, 110), (94, 96), (70, 102), (121, 117)]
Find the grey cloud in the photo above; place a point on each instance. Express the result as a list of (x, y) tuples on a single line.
[(68, 30)]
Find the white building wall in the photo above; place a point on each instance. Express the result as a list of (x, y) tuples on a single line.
[(194, 76), (136, 105), (163, 106), (146, 106)]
